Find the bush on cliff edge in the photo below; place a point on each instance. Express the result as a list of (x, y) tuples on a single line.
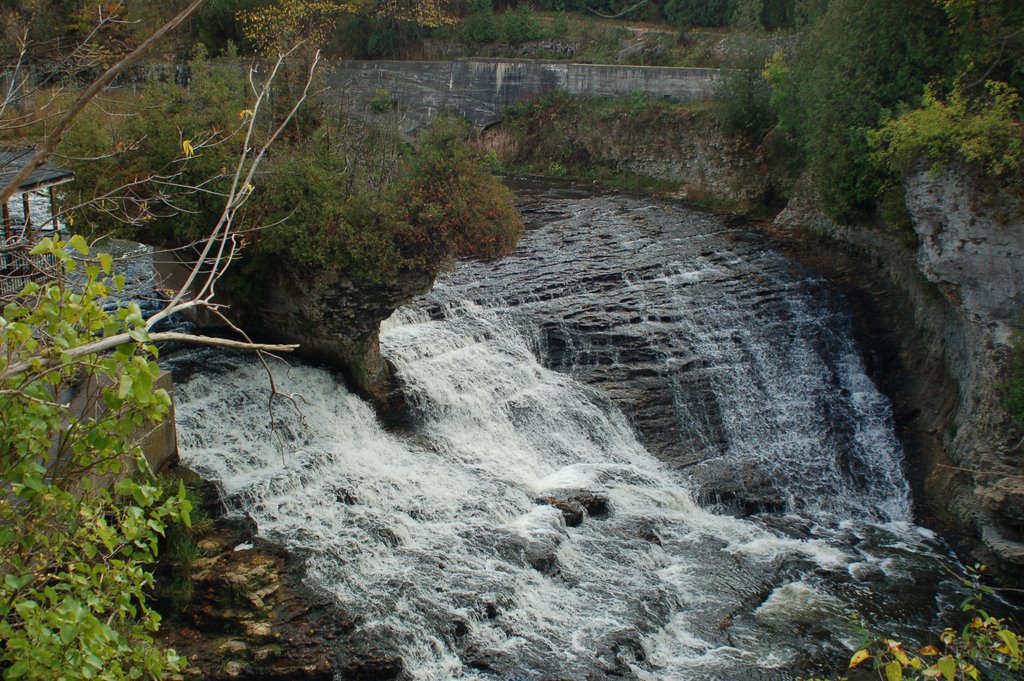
[(334, 196)]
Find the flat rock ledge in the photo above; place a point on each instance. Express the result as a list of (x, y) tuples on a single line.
[(251, 616)]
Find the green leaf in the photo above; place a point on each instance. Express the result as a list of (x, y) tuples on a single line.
[(893, 671), (125, 387), (44, 246), (18, 669), (106, 262), (1010, 639), (947, 665), (14, 583), (78, 242), (7, 535)]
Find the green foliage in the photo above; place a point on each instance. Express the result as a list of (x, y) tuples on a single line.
[(479, 26), (454, 207), (698, 12), (385, 41), (320, 218), (988, 38), (520, 25), (339, 201), (180, 549), (215, 25), (1013, 387), (983, 642), (374, 218), (858, 60), (951, 70), (81, 516), (382, 101), (144, 138), (768, 15), (743, 98), (984, 130), (558, 27)]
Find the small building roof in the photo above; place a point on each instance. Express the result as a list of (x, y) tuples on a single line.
[(42, 177)]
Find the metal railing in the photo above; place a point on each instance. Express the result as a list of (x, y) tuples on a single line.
[(18, 268)]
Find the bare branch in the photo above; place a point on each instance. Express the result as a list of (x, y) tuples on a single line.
[(117, 340), (237, 195)]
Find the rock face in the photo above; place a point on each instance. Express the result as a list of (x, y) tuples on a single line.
[(952, 300), (479, 89), (251, 616), (692, 151), (336, 321), (970, 247), (674, 145)]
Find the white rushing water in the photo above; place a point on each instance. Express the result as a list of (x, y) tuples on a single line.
[(447, 542)]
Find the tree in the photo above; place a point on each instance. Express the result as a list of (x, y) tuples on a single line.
[(858, 60), (81, 515), (285, 22)]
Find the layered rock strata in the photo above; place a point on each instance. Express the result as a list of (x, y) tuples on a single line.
[(952, 291)]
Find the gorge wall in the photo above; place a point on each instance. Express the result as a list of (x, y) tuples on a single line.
[(479, 89), (947, 302), (937, 305)]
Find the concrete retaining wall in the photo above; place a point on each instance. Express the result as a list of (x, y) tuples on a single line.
[(480, 89)]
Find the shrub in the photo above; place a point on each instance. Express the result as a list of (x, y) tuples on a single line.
[(364, 204), (143, 137), (385, 41), (81, 514), (742, 102), (454, 207), (984, 643), (520, 25), (558, 28), (985, 130), (381, 102), (479, 25), (698, 12)]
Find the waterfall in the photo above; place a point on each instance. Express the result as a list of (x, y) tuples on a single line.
[(546, 514)]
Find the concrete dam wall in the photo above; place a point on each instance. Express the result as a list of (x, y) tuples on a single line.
[(480, 89)]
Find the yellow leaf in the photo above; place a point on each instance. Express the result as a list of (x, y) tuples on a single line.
[(1012, 644), (930, 651), (187, 148), (896, 648), (245, 114), (859, 657)]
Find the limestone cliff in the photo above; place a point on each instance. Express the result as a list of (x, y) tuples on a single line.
[(690, 150), (336, 321), (954, 295), (670, 143)]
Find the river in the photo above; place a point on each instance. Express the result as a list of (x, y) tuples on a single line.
[(644, 446)]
